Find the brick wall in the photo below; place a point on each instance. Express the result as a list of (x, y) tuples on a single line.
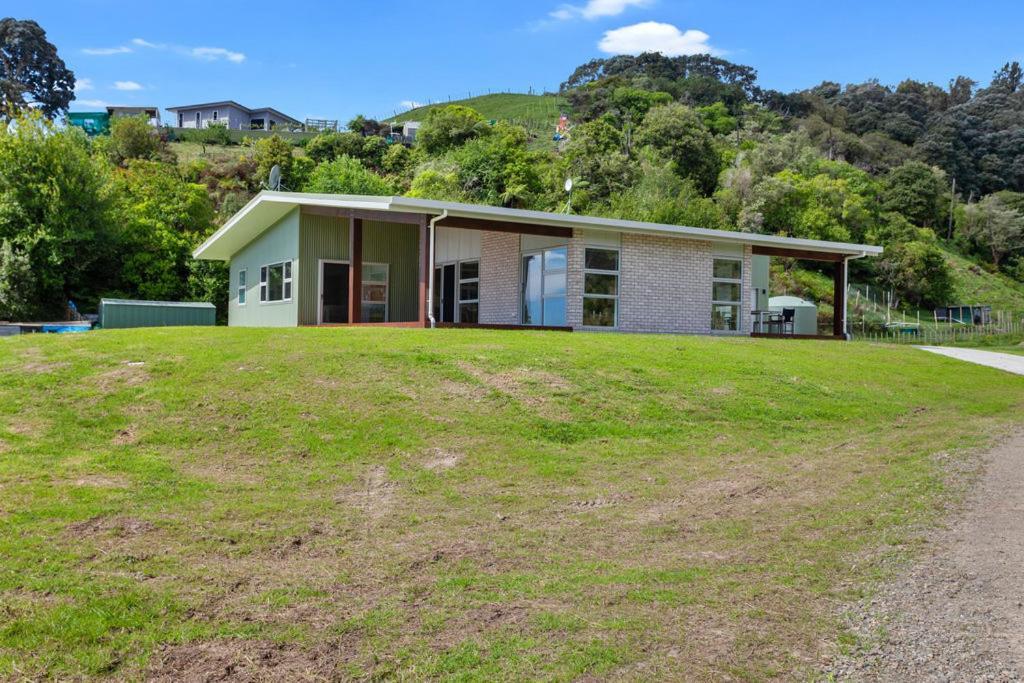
[(499, 278), (665, 285), (574, 281), (746, 320)]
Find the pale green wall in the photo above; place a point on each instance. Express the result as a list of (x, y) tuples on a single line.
[(279, 242)]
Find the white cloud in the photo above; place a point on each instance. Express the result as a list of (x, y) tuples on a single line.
[(127, 85), (595, 9), (212, 54), (410, 104), (145, 43), (653, 36), (83, 84), (103, 51), (91, 103)]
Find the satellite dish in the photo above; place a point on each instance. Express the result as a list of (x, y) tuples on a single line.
[(275, 178), (568, 184)]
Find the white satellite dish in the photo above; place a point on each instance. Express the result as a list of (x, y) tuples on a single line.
[(568, 184), (274, 182)]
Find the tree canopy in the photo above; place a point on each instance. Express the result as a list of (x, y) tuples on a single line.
[(31, 72)]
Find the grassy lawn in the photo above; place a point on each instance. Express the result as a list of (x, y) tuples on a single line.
[(469, 505), (502, 106)]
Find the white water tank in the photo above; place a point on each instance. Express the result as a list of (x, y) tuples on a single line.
[(805, 318)]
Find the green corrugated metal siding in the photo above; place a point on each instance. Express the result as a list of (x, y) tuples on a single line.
[(397, 244), (121, 313), (320, 237), (279, 242)]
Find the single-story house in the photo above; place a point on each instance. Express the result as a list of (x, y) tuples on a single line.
[(232, 115), (317, 259), (151, 113)]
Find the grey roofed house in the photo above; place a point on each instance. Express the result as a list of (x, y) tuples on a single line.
[(232, 115), (320, 259)]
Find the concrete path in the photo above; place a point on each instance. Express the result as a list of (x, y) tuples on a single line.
[(1002, 361)]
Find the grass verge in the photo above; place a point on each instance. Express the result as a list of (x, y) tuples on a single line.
[(475, 505)]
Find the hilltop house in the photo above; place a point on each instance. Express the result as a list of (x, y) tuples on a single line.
[(308, 259), (232, 115), (151, 113)]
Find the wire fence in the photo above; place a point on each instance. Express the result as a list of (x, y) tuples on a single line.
[(939, 335)]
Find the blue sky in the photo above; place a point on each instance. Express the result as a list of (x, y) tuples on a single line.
[(337, 59)]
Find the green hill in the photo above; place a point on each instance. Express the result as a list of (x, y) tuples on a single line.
[(459, 504), (975, 285), (530, 110)]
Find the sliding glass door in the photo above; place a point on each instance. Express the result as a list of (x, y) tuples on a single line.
[(544, 279)]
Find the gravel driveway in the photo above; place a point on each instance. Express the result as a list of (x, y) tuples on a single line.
[(1002, 361), (958, 613)]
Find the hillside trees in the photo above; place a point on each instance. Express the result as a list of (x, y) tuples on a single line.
[(346, 175), (448, 127), (53, 216), (678, 133), (31, 72), (993, 227), (917, 192)]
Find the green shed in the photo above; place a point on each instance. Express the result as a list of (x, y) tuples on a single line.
[(92, 122), (118, 313)]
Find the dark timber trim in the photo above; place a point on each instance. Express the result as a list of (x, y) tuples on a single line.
[(355, 271), (838, 298), (805, 254), (504, 226)]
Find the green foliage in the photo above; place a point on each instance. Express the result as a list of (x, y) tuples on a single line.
[(917, 191), (161, 219), (54, 212), (437, 181), (31, 67), (660, 196), (17, 283), (497, 169), (677, 132), (209, 281), (717, 119), (993, 228), (132, 137), (346, 175), (274, 151), (331, 145), (632, 104), (918, 272), (596, 159), (449, 127)]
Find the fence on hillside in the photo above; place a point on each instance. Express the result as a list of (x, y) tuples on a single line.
[(937, 335)]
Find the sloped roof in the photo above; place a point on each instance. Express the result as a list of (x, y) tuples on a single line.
[(268, 207)]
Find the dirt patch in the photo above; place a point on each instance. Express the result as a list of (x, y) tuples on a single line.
[(246, 661), (532, 388), (958, 613), (610, 500), (101, 481), (126, 436), (118, 526), (128, 374), (218, 469), (441, 459), (376, 496), (28, 426), (42, 367)]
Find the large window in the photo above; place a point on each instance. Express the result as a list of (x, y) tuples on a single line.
[(276, 282), (726, 294), (469, 292), (241, 287), (600, 287), (544, 277), (375, 293)]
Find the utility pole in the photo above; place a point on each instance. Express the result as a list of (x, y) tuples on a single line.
[(952, 205)]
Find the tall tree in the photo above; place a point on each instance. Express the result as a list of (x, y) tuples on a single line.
[(31, 72)]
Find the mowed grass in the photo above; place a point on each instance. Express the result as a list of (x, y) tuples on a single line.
[(456, 504)]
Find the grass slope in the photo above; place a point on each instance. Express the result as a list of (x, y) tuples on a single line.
[(475, 505), (536, 109), (976, 286)]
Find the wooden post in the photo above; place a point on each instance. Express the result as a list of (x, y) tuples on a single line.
[(838, 298), (426, 270), (355, 271)]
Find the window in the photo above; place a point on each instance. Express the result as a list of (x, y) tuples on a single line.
[(600, 287), (215, 113), (544, 278), (726, 294), (181, 120), (199, 119), (375, 293), (241, 287), (276, 282), (469, 292)]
